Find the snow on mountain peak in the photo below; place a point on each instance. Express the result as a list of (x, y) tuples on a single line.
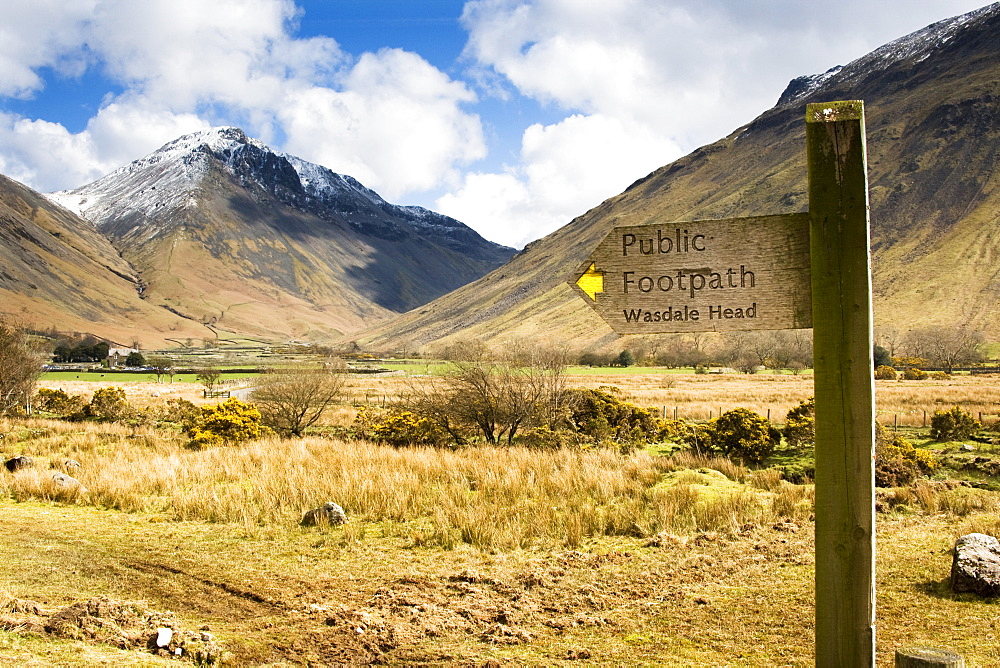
[(917, 46)]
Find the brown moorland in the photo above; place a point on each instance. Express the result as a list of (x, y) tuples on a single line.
[(469, 557)]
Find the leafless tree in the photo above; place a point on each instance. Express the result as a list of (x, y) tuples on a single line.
[(20, 368), (291, 400), (737, 351), (497, 397), (946, 346), (682, 350), (161, 365), (889, 338), (209, 378)]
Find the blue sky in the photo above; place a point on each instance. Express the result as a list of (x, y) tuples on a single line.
[(513, 116)]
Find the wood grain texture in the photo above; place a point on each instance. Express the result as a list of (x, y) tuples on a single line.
[(842, 348), (707, 275), (928, 657)]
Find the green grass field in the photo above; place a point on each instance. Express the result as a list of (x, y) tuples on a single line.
[(119, 377)]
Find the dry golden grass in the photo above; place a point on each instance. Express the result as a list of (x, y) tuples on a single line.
[(506, 554), (496, 498), (694, 397), (140, 394), (293, 596), (700, 397)]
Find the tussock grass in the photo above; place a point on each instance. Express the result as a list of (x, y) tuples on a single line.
[(489, 497)]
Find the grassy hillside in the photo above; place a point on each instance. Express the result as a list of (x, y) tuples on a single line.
[(57, 271), (933, 136)]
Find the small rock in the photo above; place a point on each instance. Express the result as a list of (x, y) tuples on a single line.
[(68, 483), (19, 462), (966, 447), (329, 513), (976, 565), (163, 636), (70, 466)]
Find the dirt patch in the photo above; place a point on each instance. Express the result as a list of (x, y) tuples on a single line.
[(127, 625)]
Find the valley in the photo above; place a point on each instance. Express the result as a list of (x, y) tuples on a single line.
[(242, 349), (475, 555)]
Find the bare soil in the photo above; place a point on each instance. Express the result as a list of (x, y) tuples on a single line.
[(331, 597)]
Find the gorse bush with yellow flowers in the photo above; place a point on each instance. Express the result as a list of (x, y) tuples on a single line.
[(228, 423)]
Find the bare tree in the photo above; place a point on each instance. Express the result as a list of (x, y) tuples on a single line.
[(161, 365), (497, 397), (889, 338), (430, 398), (946, 346), (737, 351), (681, 350), (20, 368), (291, 400), (209, 378)]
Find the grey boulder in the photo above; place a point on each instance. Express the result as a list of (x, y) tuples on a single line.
[(329, 513), (976, 565), (19, 462)]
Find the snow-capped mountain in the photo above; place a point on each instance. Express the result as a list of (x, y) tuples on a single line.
[(913, 48), (224, 230)]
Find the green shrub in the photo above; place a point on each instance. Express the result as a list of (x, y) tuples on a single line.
[(897, 462), (602, 416), (228, 423), (914, 374), (953, 425), (57, 402), (625, 358), (398, 428), (885, 372), (800, 424), (745, 435), (697, 435), (108, 405), (179, 411), (135, 358)]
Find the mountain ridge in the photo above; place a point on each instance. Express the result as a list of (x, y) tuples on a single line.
[(932, 135), (242, 239)]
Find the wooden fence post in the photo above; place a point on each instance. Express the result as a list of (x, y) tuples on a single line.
[(928, 657), (844, 384)]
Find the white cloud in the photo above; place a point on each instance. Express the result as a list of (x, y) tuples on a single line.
[(40, 33), (641, 81), (36, 152), (389, 118), (397, 124), (625, 86), (565, 169), (48, 157)]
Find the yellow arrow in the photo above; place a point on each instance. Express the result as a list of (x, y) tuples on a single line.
[(591, 282)]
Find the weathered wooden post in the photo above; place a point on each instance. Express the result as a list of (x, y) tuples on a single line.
[(928, 657), (844, 384)]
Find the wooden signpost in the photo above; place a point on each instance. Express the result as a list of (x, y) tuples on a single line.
[(844, 384), (706, 275), (783, 272)]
